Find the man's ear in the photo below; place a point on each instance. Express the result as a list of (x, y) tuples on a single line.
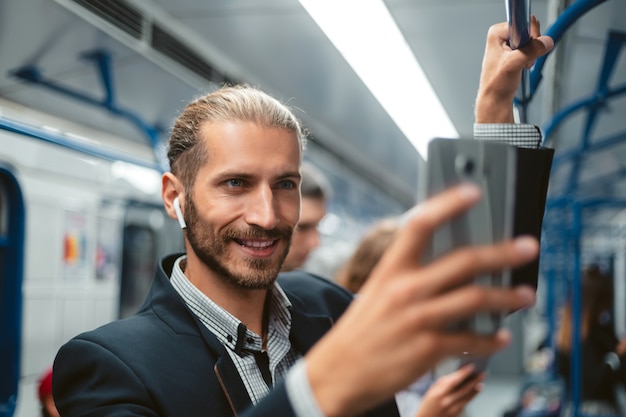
[(172, 193)]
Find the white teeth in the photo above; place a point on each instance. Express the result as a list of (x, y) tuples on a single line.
[(257, 244)]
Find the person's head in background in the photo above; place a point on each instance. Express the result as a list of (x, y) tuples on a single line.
[(597, 302), (315, 191), (353, 274), (44, 392)]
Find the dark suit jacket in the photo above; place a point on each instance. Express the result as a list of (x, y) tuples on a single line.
[(163, 362), (533, 174)]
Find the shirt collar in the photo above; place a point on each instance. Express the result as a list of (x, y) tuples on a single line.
[(229, 330)]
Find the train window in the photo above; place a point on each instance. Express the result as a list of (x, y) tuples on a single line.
[(139, 257)]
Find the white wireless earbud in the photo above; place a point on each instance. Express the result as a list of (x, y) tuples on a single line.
[(179, 214)]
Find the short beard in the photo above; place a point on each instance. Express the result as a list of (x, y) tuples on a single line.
[(212, 250)]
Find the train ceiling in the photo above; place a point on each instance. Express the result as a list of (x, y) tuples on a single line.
[(145, 59)]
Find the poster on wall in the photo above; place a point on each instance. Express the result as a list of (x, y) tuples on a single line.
[(75, 245), (107, 249)]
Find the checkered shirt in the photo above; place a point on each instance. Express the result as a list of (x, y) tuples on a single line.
[(520, 135), (241, 345)]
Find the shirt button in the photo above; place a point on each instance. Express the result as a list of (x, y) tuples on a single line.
[(229, 338)]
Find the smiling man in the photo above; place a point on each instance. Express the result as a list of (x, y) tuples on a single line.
[(250, 205), (221, 334)]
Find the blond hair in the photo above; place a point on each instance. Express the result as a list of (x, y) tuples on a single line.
[(186, 153), (369, 251)]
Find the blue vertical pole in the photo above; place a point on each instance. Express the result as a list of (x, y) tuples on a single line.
[(550, 304), (576, 311), (565, 20)]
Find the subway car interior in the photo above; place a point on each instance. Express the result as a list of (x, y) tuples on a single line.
[(89, 89)]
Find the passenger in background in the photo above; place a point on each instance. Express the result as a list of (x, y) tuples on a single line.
[(355, 271), (44, 393), (446, 396), (221, 334), (315, 190), (602, 355)]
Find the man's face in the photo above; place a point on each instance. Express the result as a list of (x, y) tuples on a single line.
[(306, 236), (245, 202)]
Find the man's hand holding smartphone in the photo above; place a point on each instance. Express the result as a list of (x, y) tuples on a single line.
[(492, 167)]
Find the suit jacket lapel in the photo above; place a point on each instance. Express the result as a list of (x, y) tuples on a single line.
[(171, 308), (231, 383), (307, 329)]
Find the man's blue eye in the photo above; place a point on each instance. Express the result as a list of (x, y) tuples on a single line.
[(287, 184), (234, 182)]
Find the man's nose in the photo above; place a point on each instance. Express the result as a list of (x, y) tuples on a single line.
[(261, 210)]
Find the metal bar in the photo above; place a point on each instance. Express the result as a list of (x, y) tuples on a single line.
[(576, 313), (602, 201), (598, 145), (566, 19), (103, 63), (588, 102), (33, 75), (564, 202), (103, 60), (602, 180), (33, 132), (551, 310), (613, 47), (518, 16), (596, 101)]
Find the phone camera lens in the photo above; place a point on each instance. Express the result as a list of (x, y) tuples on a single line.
[(464, 165)]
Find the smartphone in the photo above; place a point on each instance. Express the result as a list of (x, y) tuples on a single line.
[(491, 166)]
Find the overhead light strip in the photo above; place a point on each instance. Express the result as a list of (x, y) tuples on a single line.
[(367, 36)]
